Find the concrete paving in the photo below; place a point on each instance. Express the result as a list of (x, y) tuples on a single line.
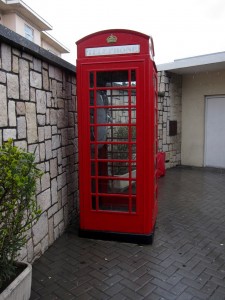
[(186, 260)]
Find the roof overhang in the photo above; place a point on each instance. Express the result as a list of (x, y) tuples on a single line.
[(53, 42), (196, 64), (18, 6)]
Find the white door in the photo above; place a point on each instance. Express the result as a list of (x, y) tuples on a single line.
[(215, 132)]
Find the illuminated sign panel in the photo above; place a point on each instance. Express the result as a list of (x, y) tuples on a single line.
[(112, 50)]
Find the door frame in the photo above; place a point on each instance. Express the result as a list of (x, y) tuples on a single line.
[(205, 122)]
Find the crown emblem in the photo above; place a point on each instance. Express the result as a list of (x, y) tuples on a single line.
[(111, 39)]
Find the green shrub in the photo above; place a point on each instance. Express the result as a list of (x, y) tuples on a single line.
[(18, 208)]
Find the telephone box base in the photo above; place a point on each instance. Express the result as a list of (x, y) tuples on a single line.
[(145, 239)]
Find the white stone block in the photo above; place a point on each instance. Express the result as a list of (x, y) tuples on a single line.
[(45, 181), (41, 101), (20, 109), (21, 126), (40, 229), (3, 107), (21, 144), (53, 168), (31, 122), (55, 142), (6, 56), (37, 64), (35, 80), (44, 200), (50, 231), (42, 151), (2, 77), (48, 148), (9, 134), (41, 120), (24, 79), (54, 191), (15, 64), (58, 217), (12, 86), (41, 134), (45, 80), (53, 210)]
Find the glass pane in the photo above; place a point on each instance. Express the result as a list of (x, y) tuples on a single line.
[(93, 186), (29, 32), (121, 97), (112, 145), (133, 78), (118, 115), (112, 78), (98, 133), (133, 209), (123, 186), (118, 168), (121, 134), (99, 151), (133, 152), (118, 97), (94, 202), (133, 115), (118, 134), (91, 80), (99, 98), (133, 97), (120, 187), (133, 133), (133, 171), (118, 151), (114, 203)]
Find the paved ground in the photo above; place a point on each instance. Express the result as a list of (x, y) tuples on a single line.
[(186, 260)]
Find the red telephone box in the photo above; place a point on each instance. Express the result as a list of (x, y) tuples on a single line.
[(117, 129)]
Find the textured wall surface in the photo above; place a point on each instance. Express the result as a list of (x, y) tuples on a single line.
[(38, 110), (169, 109)]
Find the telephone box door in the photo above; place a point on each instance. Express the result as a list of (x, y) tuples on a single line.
[(113, 192)]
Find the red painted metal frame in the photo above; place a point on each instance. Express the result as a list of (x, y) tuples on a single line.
[(141, 221)]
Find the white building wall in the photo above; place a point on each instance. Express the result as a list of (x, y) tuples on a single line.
[(48, 47), (20, 29), (195, 88), (17, 24), (9, 20)]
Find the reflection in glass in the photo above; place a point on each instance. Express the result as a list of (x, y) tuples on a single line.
[(118, 168), (121, 97), (94, 202), (118, 151), (112, 78), (133, 97), (133, 78), (133, 209), (114, 203), (91, 79), (119, 115), (113, 119)]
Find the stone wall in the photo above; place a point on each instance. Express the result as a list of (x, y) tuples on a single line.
[(38, 110), (169, 106)]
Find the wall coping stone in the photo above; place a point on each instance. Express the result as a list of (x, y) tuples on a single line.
[(16, 40)]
